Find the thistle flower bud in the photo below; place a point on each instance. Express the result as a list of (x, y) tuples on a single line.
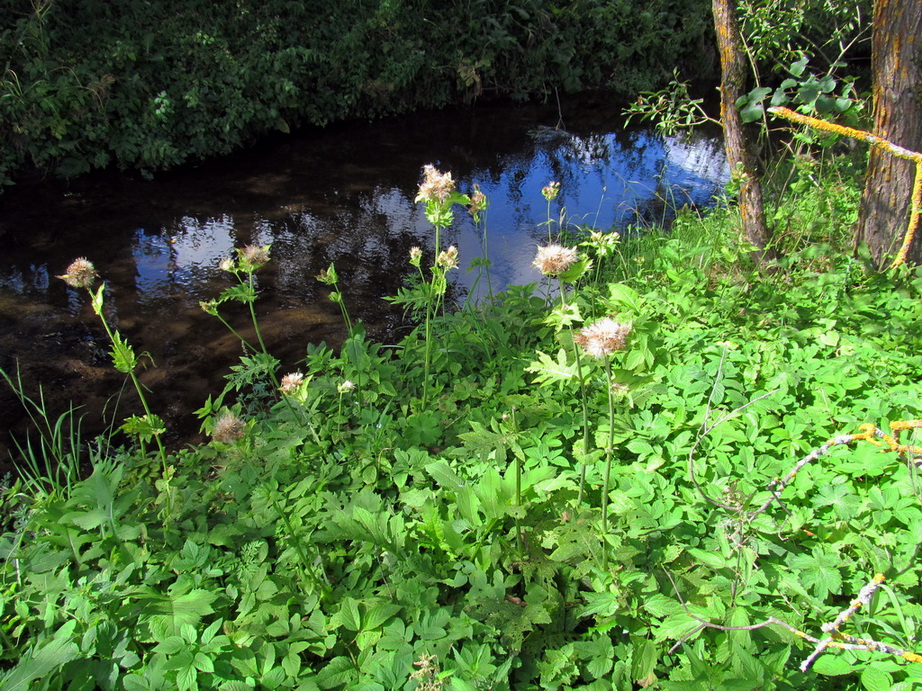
[(478, 202), (551, 190), (553, 260), (227, 264), (209, 307), (80, 274), (416, 256), (346, 387)]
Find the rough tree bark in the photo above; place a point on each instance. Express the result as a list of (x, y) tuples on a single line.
[(734, 71), (897, 72)]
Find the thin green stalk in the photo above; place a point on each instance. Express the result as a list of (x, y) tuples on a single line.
[(584, 400), (259, 335), (608, 457)]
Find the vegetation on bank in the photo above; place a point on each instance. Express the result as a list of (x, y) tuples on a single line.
[(570, 485), (152, 85)]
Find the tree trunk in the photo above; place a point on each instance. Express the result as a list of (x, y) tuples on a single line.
[(742, 160), (897, 71)]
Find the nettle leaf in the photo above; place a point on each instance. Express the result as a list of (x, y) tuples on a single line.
[(548, 370)]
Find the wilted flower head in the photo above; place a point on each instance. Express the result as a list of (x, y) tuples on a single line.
[(80, 274), (448, 259), (328, 275), (554, 259), (551, 190), (345, 387), (416, 256), (478, 202), (603, 337), (253, 257), (436, 186), (291, 382), (228, 428)]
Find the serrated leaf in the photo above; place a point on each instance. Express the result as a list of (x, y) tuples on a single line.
[(548, 370)]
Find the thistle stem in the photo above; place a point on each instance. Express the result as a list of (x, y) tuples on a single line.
[(608, 457)]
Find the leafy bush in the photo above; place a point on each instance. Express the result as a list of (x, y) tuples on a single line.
[(350, 537), (150, 86)]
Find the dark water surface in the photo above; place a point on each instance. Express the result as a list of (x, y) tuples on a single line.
[(343, 194)]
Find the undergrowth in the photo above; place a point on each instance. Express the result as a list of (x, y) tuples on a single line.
[(344, 535)]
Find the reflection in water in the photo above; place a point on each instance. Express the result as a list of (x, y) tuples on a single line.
[(344, 196)]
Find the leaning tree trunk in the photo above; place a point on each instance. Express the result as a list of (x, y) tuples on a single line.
[(897, 71), (740, 156)]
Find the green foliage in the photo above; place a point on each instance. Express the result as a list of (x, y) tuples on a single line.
[(350, 539), (154, 85)]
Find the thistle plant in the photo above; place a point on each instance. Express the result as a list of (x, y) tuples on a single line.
[(82, 274), (438, 193), (561, 262), (243, 267), (329, 277), (550, 192), (477, 209), (601, 340)]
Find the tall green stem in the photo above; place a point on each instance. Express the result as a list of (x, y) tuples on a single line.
[(259, 335), (608, 457)]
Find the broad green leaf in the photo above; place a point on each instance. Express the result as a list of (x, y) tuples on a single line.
[(833, 664), (548, 370), (41, 660), (876, 680)]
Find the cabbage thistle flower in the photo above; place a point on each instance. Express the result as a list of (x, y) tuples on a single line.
[(478, 202), (551, 190), (291, 382), (80, 274), (345, 387), (602, 338), (253, 257), (554, 259), (448, 259), (436, 186), (416, 256), (228, 428)]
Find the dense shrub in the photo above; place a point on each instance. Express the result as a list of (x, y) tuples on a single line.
[(153, 85)]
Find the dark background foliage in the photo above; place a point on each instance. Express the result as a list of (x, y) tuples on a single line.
[(147, 86)]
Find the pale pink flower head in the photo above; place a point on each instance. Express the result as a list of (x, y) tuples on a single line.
[(291, 382), (602, 338), (553, 260), (253, 257), (448, 259), (80, 274), (436, 186)]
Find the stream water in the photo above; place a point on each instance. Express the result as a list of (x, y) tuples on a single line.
[(340, 195)]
